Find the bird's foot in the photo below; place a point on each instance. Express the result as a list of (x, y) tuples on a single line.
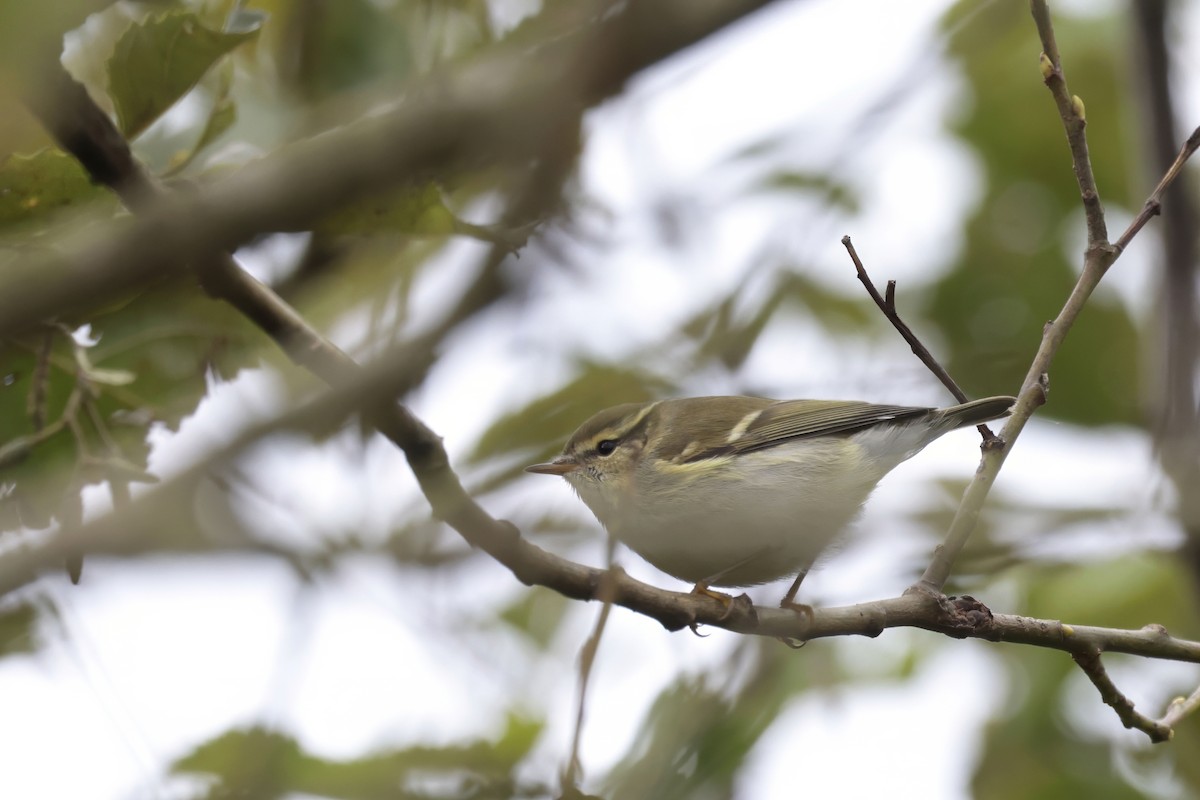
[(804, 610)]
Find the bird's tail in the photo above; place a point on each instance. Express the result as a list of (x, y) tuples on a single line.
[(975, 412)]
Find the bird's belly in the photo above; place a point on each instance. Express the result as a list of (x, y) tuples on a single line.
[(771, 521), (728, 549)]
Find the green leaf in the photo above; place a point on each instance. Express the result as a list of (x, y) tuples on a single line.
[(348, 45), (538, 614), (549, 420), (264, 763), (220, 118), (158, 61), (37, 382), (417, 210), (830, 190), (16, 630), (698, 733), (155, 355), (34, 187), (173, 339), (1014, 272)]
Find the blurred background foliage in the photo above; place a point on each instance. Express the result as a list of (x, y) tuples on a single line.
[(203, 86)]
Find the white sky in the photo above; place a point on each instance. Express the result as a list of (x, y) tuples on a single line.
[(155, 656)]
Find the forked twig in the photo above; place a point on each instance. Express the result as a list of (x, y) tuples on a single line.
[(1093, 667), (1153, 205), (606, 592), (887, 304)]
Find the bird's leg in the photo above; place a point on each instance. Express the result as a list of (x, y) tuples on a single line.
[(789, 599), (701, 586)]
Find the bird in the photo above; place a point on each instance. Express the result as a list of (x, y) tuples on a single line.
[(741, 491)]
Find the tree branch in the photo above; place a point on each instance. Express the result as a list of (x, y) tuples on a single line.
[(1093, 667), (1098, 257), (495, 110), (1074, 119), (888, 306), (491, 108)]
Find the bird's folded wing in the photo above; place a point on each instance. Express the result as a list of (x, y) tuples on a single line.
[(788, 420)]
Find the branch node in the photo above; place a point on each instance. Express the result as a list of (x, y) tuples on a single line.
[(966, 616), (1092, 666), (1043, 389), (992, 443)]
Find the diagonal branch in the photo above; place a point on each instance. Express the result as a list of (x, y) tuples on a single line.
[(887, 304), (1074, 120), (492, 111), (1130, 717), (1098, 257), (437, 130)]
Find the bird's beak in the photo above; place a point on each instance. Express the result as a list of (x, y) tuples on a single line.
[(559, 466)]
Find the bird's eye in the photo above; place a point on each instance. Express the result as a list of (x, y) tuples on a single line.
[(606, 447)]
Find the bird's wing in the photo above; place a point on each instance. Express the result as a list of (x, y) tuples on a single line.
[(788, 420)]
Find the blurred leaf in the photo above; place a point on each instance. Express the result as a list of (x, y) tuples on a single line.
[(1126, 592), (265, 764), (1008, 534), (537, 613), (548, 421), (37, 384), (834, 310), (1015, 273), (725, 339), (158, 61), (729, 335), (173, 339), (698, 733), (221, 117), (417, 210), (17, 630), (1028, 755), (34, 187), (828, 189), (154, 355), (341, 46), (1032, 751)]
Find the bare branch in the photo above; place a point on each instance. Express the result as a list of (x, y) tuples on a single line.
[(587, 660), (1180, 708), (1098, 257), (1153, 205), (1093, 667), (887, 305), (1074, 119), (491, 108)]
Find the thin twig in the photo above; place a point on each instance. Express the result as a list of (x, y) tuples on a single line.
[(605, 593), (887, 304), (1074, 119), (38, 398), (1098, 257), (1181, 707), (1153, 205), (123, 530), (1093, 667)]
